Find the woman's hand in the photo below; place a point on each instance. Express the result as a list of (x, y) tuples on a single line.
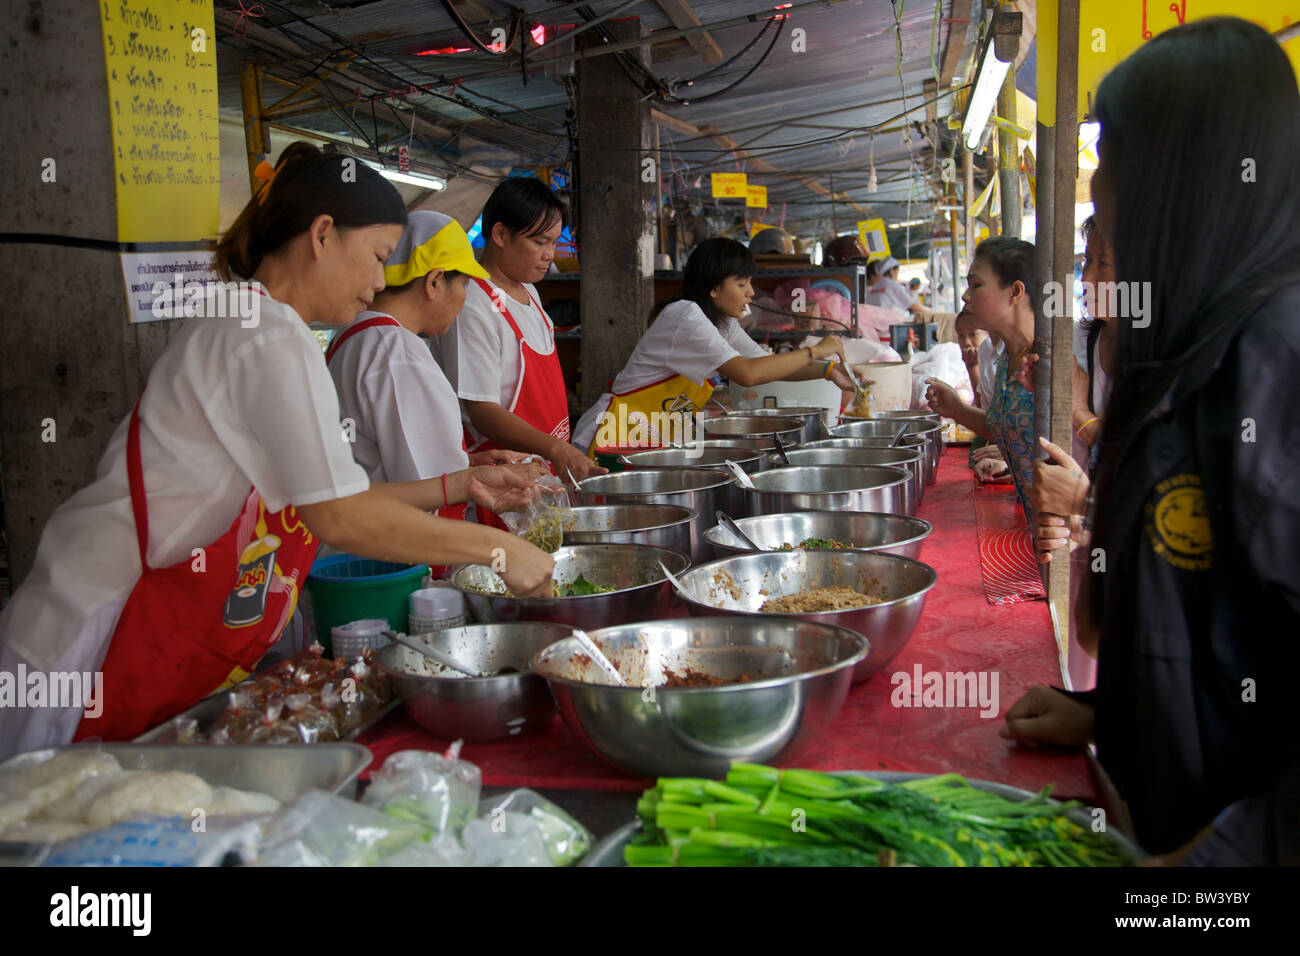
[(941, 398), (828, 347), (496, 456), (990, 468), (568, 459), (526, 569), (1046, 716), (1059, 486), (841, 378), (1053, 532), (502, 488), (1024, 373)]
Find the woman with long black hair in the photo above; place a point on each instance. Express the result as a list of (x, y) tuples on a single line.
[(1194, 606)]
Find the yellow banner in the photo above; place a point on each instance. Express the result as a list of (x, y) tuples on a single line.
[(729, 186), (1110, 30), (756, 196), (161, 60), (874, 240)]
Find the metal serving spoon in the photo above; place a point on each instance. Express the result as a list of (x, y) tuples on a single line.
[(724, 519), (438, 657)]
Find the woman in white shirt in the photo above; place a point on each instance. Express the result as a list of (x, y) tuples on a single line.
[(392, 393), (500, 356), (176, 569), (885, 291), (693, 339)]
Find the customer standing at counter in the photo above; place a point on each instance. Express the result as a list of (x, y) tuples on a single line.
[(1195, 614), (177, 568), (1001, 298), (500, 356), (698, 336)]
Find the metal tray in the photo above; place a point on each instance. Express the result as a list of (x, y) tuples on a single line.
[(281, 772), (207, 711), (609, 851)]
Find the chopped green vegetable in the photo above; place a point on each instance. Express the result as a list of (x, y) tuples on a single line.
[(579, 587), (815, 544), (762, 816)]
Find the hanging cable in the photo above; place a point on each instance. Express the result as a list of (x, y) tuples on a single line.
[(750, 72), (516, 23)]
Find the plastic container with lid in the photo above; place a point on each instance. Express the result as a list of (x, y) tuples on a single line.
[(436, 608)]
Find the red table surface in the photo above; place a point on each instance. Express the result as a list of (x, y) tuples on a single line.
[(958, 631)]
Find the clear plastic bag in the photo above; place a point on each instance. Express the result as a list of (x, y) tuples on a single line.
[(437, 793), (163, 841), (543, 522), (506, 839), (567, 841), (322, 829)]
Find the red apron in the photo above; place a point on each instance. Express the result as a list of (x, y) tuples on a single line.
[(202, 623), (540, 398), (456, 511)]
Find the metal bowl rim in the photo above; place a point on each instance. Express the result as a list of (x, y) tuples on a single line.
[(690, 515), (902, 478), (532, 602), (930, 572), (925, 533), (852, 661), (465, 678), (712, 472)]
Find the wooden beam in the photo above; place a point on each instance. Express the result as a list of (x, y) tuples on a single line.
[(673, 123), (683, 17), (952, 54)]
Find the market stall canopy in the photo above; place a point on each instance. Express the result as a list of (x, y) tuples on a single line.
[(804, 97)]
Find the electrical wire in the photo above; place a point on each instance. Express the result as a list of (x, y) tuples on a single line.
[(750, 72), (516, 22)]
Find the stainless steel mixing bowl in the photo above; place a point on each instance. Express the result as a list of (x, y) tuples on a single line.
[(801, 676), (633, 569), (741, 584), (810, 415), (913, 442), (895, 534), (924, 413), (756, 430), (702, 490), (712, 457), (830, 488), (453, 706), (910, 460), (660, 526), (875, 428)]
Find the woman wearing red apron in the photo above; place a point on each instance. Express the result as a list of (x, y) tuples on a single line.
[(173, 572), (500, 356)]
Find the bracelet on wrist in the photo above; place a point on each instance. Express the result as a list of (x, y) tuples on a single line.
[(1078, 432)]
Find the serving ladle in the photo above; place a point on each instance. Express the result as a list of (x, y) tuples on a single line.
[(438, 657), (725, 520)]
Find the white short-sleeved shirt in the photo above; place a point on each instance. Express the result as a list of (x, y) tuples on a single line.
[(681, 341), (987, 358), (480, 355), (405, 413), (226, 407), (890, 294)]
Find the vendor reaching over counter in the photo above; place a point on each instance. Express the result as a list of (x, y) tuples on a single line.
[(500, 356), (177, 568), (405, 413), (696, 337)]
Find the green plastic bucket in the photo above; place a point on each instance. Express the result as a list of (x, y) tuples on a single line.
[(346, 588)]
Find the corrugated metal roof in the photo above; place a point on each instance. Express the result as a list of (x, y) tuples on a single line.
[(847, 78)]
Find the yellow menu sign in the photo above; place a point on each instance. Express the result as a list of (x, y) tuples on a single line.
[(872, 234), (1110, 30), (161, 60), (729, 186), (756, 196)]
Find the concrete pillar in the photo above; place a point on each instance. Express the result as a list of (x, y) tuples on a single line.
[(68, 353), (616, 208)]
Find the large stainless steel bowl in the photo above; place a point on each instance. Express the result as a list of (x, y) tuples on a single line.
[(803, 672), (712, 457), (830, 488), (756, 430), (895, 534), (453, 706), (922, 413), (873, 428), (810, 415), (741, 584), (660, 526), (913, 442), (702, 490), (633, 570), (910, 460)]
